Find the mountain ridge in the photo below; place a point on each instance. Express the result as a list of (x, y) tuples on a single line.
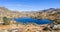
[(51, 13)]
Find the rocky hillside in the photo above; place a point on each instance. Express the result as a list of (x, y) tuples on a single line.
[(4, 12), (44, 14)]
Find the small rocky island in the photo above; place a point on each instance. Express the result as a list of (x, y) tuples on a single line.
[(8, 24)]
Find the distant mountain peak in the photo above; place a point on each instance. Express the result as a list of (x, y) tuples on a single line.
[(3, 9), (51, 9)]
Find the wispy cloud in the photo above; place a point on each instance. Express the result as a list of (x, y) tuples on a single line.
[(17, 5)]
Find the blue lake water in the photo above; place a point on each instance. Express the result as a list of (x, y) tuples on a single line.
[(32, 20)]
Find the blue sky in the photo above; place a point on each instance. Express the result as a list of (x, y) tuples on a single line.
[(29, 5)]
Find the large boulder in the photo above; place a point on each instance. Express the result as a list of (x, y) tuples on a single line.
[(56, 26)]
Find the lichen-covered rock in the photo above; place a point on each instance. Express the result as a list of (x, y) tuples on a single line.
[(56, 26)]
